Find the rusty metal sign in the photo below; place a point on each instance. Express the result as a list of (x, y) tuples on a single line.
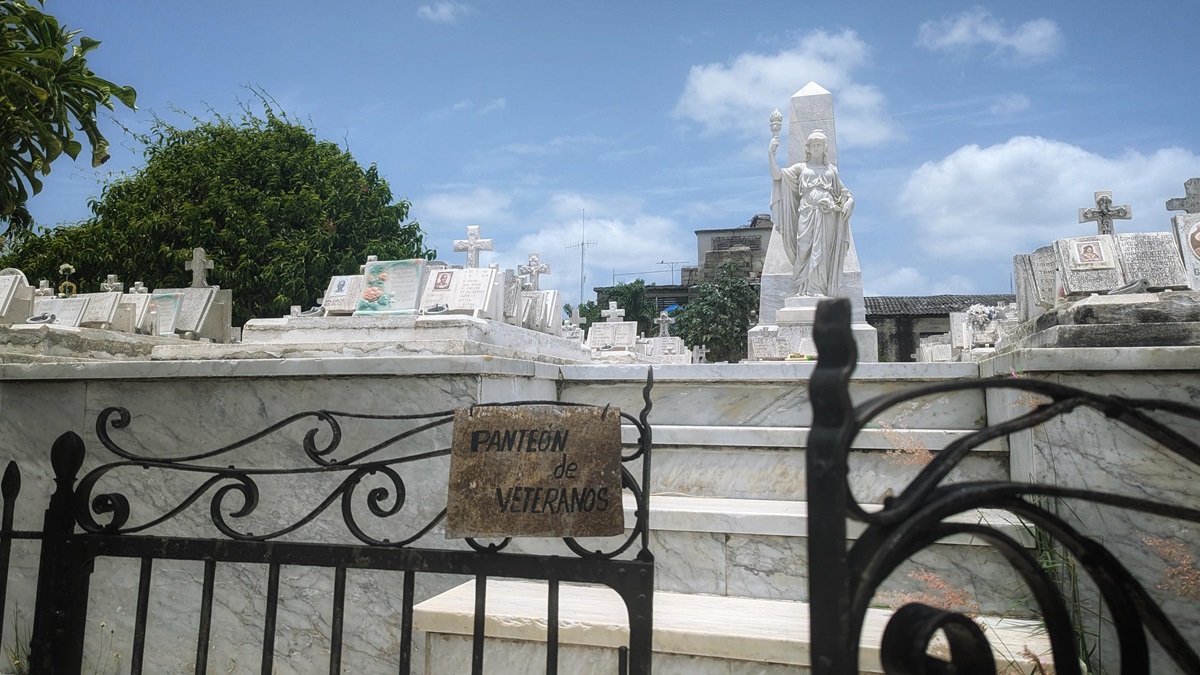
[(535, 471)]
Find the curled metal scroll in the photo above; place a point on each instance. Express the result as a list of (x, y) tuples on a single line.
[(234, 494), (922, 514)]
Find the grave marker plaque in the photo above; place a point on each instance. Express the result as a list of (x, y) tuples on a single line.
[(101, 310), (1152, 256), (471, 291), (67, 311), (615, 334), (342, 294), (535, 471), (166, 313), (1088, 264), (392, 287), (1187, 235)]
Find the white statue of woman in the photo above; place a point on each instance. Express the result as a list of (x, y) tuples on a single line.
[(812, 208)]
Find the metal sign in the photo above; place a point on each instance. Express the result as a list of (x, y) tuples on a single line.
[(535, 471)]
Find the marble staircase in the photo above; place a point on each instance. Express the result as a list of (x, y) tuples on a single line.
[(728, 521)]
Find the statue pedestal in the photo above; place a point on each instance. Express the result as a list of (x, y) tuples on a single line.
[(790, 337)]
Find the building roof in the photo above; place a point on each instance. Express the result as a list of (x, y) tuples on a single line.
[(929, 305)]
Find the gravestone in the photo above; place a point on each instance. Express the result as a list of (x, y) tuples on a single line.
[(101, 310), (769, 346), (202, 313), (164, 312), (700, 354), (613, 335), (512, 298), (392, 287), (664, 322), (1187, 238), (959, 331), (542, 311), (1087, 264), (534, 269), (535, 471), (471, 291), (342, 294), (472, 245), (43, 290), (133, 313), (1153, 256), (16, 297), (112, 285), (612, 314), (198, 266), (1104, 213), (67, 312)]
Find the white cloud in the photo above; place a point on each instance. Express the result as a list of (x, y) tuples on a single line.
[(444, 12), (739, 95), (493, 105), (910, 281), (987, 204), (1010, 104), (480, 206), (1034, 40), (554, 145)]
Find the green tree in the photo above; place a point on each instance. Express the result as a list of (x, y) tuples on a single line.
[(719, 317), (277, 210), (44, 95), (630, 297)]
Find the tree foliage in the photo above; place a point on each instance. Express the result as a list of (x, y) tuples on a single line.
[(277, 210), (719, 317), (44, 95)]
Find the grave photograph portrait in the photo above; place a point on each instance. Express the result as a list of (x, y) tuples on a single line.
[(1088, 253), (442, 281), (1194, 240), (812, 208)]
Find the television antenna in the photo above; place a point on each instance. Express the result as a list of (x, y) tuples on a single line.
[(673, 264), (583, 246)]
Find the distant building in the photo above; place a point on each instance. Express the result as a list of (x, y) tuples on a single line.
[(903, 320)]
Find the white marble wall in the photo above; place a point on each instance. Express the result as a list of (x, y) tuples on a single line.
[(1086, 450), (183, 409)]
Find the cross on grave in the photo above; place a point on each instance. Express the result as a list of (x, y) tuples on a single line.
[(664, 324), (533, 270), (198, 265), (698, 354), (139, 287), (1190, 202), (43, 289), (1105, 213), (472, 245), (112, 285), (612, 314), (576, 319)]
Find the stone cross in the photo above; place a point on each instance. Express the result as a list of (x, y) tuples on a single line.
[(112, 285), (472, 245), (1190, 202), (612, 314), (576, 319), (198, 265), (698, 354), (664, 324), (1105, 213), (533, 270), (43, 289), (139, 287)]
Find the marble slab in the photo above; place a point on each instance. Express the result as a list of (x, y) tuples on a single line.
[(194, 306), (470, 291), (1088, 264), (101, 309), (68, 312), (342, 294), (612, 334), (392, 287), (1153, 256), (1187, 237)]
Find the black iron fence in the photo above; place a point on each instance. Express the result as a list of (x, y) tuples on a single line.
[(84, 523), (844, 578)]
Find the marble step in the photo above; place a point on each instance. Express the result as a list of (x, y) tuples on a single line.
[(693, 634), (773, 394), (758, 549), (768, 462)]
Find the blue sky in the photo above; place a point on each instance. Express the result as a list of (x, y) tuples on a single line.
[(968, 133)]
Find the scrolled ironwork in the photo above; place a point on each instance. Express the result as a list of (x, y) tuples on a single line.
[(844, 580), (235, 494)]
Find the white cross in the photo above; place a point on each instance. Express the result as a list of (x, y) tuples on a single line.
[(576, 319), (533, 270), (1104, 213), (1190, 202), (472, 245), (43, 289), (612, 314), (112, 285), (698, 354), (139, 287), (664, 322), (198, 265)]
